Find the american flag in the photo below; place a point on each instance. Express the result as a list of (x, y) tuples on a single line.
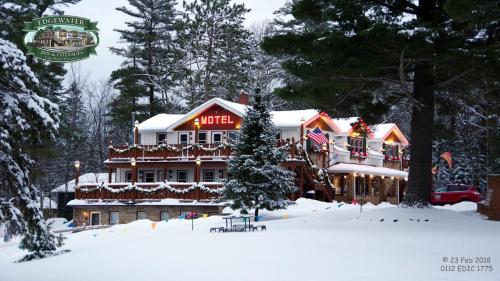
[(317, 136)]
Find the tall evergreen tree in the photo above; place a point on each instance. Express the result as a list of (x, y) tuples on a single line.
[(255, 177), (359, 57), (27, 121), (150, 53), (218, 50)]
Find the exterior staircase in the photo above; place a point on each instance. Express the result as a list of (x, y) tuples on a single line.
[(316, 179)]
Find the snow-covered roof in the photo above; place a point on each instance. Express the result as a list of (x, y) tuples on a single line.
[(159, 122), (343, 168), (85, 178), (236, 108), (163, 202), (381, 131), (344, 124), (291, 118)]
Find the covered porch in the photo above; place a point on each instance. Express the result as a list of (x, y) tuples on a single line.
[(364, 183)]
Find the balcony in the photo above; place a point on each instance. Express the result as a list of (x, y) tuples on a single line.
[(166, 151), (147, 191)]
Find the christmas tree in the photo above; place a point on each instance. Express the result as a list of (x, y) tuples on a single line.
[(255, 177)]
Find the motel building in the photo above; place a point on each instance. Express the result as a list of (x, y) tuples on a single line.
[(177, 163)]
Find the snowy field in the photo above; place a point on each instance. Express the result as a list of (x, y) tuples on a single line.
[(310, 241)]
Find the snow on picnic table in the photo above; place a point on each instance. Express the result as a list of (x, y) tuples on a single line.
[(310, 241)]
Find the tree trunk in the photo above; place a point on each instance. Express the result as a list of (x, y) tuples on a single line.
[(422, 121)]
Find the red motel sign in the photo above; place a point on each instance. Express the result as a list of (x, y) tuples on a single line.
[(216, 120)]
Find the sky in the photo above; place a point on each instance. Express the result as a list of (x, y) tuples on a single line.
[(99, 67)]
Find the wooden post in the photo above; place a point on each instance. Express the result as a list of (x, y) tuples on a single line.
[(77, 172), (136, 136), (302, 134), (110, 173)]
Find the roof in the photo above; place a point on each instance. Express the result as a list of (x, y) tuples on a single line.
[(381, 131), (85, 178), (236, 108), (344, 124), (159, 122), (291, 118), (366, 169)]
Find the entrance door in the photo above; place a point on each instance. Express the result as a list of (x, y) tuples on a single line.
[(95, 218)]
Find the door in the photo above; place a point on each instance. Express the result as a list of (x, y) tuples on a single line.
[(95, 218)]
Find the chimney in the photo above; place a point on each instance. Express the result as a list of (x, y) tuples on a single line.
[(243, 97)]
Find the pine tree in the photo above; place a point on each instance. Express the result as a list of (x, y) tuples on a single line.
[(218, 50), (27, 120), (255, 177), (151, 54), (361, 57)]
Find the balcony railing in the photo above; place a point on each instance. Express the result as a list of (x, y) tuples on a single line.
[(159, 190), (165, 151)]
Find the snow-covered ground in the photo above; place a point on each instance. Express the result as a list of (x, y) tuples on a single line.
[(310, 241)]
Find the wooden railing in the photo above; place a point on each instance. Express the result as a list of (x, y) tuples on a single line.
[(164, 151), (122, 191)]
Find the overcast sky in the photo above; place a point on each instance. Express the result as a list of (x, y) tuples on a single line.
[(101, 65)]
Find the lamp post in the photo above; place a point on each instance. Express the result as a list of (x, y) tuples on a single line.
[(324, 149), (133, 162), (197, 170), (136, 132), (77, 172), (302, 121), (196, 128)]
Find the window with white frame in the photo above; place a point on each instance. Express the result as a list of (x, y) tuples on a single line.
[(141, 215), (391, 150), (217, 137), (356, 144), (208, 175), (147, 176), (182, 176), (114, 217), (161, 138), (128, 176), (183, 138), (202, 137)]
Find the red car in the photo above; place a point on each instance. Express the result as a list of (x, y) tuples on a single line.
[(455, 193)]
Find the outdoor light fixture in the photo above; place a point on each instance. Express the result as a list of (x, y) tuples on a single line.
[(371, 176), (133, 162), (324, 147), (77, 164), (136, 124), (392, 178), (354, 174), (302, 120), (406, 179), (363, 175), (198, 161), (383, 177), (197, 123)]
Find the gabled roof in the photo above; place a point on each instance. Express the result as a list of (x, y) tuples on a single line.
[(382, 131), (236, 108), (159, 122)]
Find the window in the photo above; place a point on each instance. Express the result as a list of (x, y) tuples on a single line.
[(114, 217), (217, 137), (278, 135), (182, 176), (391, 150), (161, 138), (141, 215), (208, 175), (356, 145), (183, 138), (221, 174), (164, 216), (202, 137), (147, 176), (128, 176)]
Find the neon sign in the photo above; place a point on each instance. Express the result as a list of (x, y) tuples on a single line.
[(216, 120)]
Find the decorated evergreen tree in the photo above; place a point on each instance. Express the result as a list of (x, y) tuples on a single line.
[(255, 177), (27, 120)]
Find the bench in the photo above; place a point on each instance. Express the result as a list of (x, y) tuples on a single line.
[(217, 229), (234, 229), (490, 207), (262, 228)]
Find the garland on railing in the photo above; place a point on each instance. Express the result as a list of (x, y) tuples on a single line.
[(167, 147), (160, 187)]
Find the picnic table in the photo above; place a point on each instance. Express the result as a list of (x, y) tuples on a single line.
[(246, 222)]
